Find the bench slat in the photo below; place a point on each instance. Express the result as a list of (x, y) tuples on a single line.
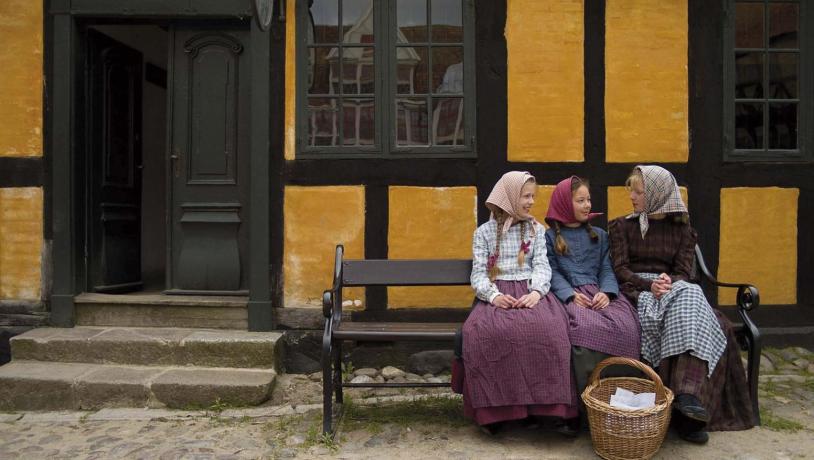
[(348, 330), (390, 272)]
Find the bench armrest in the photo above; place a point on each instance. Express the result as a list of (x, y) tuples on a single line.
[(332, 298), (748, 296)]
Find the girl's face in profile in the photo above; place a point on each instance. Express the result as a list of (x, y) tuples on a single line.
[(637, 196), (581, 198), (527, 194)]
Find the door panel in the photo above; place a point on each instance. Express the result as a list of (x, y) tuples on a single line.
[(209, 161), (114, 114)]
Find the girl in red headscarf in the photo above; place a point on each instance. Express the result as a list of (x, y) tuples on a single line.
[(601, 322), (516, 353)]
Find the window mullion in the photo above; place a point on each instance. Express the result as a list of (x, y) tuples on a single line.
[(382, 32)]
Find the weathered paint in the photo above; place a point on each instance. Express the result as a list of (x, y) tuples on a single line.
[(619, 201), (21, 78), (545, 80), (20, 243), (290, 80), (646, 99), (759, 249), (316, 220), (431, 223)]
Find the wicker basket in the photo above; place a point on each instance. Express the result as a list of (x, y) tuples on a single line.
[(620, 434)]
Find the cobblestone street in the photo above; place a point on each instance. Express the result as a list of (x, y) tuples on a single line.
[(396, 426)]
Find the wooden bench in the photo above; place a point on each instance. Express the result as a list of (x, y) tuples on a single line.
[(453, 272), (367, 273)]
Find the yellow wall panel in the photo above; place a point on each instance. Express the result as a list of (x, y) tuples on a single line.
[(646, 81), (316, 220), (619, 201), (290, 80), (546, 90), (20, 243), (431, 223), (760, 251), (21, 78)]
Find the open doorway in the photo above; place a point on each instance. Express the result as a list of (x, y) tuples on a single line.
[(125, 107)]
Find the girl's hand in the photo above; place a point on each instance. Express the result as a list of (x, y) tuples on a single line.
[(528, 301), (600, 301), (659, 287), (504, 301), (582, 300)]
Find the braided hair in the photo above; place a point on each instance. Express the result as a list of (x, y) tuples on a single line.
[(500, 218)]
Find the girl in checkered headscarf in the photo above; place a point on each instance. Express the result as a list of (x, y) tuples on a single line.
[(690, 343), (516, 354)]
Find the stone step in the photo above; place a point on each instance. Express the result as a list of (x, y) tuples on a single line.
[(150, 347), (34, 385), (158, 310)]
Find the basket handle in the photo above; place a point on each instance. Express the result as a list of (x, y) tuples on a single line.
[(660, 393)]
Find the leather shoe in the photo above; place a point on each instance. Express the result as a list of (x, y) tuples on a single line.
[(690, 407), (695, 437)]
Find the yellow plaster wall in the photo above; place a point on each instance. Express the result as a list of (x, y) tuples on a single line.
[(21, 78), (619, 201), (431, 223), (20, 243), (541, 201), (290, 80), (646, 81), (544, 41), (316, 220), (760, 251)]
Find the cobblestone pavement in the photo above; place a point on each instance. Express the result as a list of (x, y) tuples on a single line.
[(395, 426)]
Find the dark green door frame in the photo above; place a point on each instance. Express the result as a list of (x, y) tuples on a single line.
[(64, 131)]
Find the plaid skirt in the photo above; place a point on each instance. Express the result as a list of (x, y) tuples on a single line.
[(680, 321)]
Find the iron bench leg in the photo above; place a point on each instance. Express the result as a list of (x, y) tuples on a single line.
[(327, 379)]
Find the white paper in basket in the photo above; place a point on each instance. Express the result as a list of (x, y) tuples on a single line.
[(624, 399)]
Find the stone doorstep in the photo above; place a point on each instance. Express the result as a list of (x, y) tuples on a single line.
[(149, 346), (31, 385)]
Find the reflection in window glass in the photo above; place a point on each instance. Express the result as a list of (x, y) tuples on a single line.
[(412, 74), (448, 69), (411, 122), (358, 116), (358, 75), (783, 25), (783, 126), (325, 17), (749, 126), (357, 21), (783, 75), (749, 26), (323, 117), (448, 121), (412, 21), (447, 26), (322, 70), (749, 75)]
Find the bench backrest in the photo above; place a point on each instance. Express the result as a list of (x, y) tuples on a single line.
[(392, 272)]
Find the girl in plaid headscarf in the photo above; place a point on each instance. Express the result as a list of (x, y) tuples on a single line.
[(516, 354), (690, 343)]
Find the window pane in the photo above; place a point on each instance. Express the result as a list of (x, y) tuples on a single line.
[(326, 22), (323, 118), (748, 75), (322, 70), (358, 115), (448, 121), (411, 122), (749, 25), (446, 21), (412, 72), (783, 126), (749, 126), (783, 75), (448, 69), (412, 21), (357, 21), (783, 20), (358, 76)]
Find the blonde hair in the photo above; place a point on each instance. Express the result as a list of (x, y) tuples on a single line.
[(634, 179), (500, 218)]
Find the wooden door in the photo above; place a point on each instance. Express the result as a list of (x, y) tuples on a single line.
[(113, 95), (209, 159)]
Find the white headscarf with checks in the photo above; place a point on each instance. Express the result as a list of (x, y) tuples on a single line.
[(661, 195)]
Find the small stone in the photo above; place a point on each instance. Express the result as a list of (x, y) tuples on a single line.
[(811, 369), (781, 399), (435, 380), (374, 441), (288, 453), (357, 303), (362, 379), (347, 303), (399, 379), (295, 440), (427, 376), (789, 354), (412, 377), (802, 363), (368, 371), (379, 379), (802, 351), (391, 372), (315, 376), (766, 365)]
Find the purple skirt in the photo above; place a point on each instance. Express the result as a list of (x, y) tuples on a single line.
[(613, 330), (516, 362)]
